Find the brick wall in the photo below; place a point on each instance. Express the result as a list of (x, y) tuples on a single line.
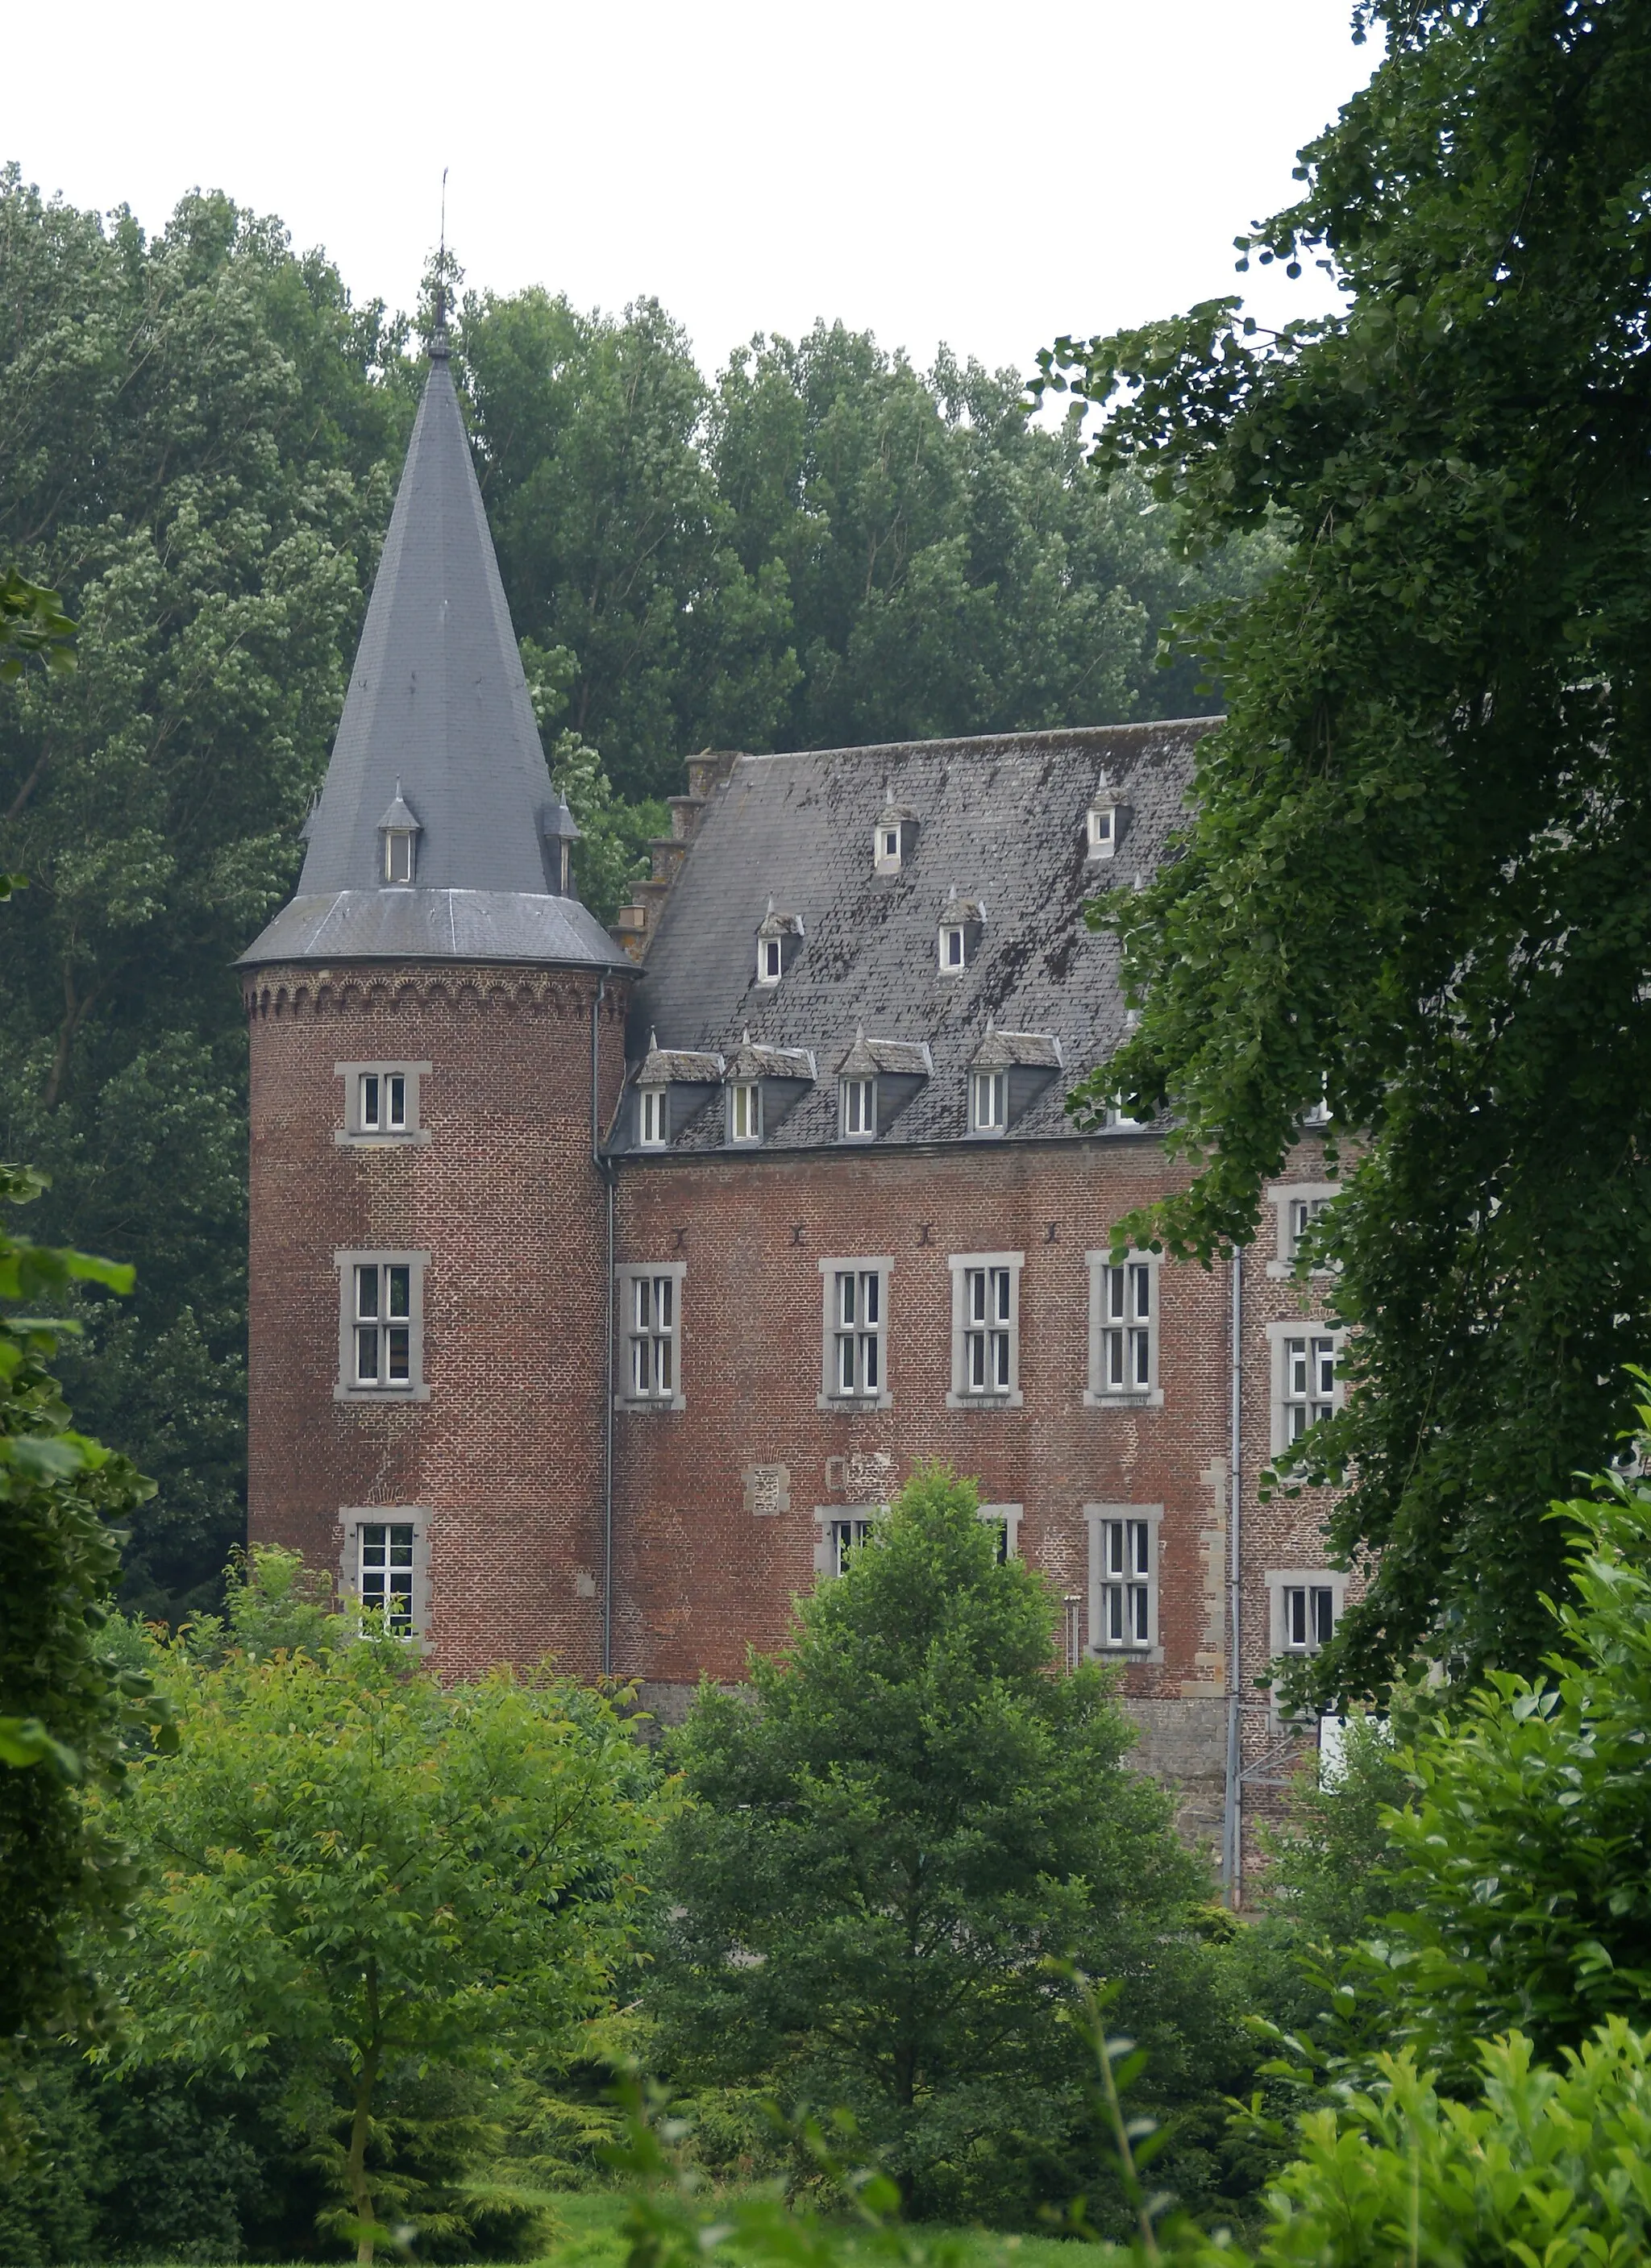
[(507, 1452)]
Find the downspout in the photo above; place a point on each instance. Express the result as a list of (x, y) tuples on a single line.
[(1232, 1820), (605, 1167)]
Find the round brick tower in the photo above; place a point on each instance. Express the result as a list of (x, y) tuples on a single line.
[(437, 1035)]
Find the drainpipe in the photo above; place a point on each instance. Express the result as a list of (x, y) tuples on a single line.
[(605, 1167), (1232, 1820)]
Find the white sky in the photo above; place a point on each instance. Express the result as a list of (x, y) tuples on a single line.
[(990, 176)]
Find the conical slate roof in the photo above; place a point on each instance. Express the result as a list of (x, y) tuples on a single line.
[(437, 719)]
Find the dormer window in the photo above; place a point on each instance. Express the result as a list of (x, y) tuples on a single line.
[(1103, 822), (561, 833), (778, 942), (987, 1101), (893, 837), (858, 1109), (399, 831), (745, 1111), (962, 924), (651, 1118)]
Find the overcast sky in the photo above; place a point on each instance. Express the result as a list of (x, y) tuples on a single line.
[(990, 176)]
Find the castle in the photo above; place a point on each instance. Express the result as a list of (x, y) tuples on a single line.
[(604, 1286)]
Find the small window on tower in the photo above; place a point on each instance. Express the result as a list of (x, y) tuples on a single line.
[(381, 1325), (386, 1574), (381, 1103), (398, 854)]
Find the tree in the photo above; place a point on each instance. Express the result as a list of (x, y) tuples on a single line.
[(889, 1839), (359, 1878), (33, 623), (200, 441), (1413, 882), (66, 1711)]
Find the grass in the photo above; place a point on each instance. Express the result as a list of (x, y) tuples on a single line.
[(589, 2237)]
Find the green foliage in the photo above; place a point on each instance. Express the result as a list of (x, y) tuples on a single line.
[(199, 445), (1413, 881), (370, 1886), (887, 1839), (1522, 1858), (33, 623), (67, 1712)]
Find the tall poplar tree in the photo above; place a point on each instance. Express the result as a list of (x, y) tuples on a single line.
[(1417, 880)]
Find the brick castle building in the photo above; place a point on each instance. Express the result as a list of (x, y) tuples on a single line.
[(605, 1286)]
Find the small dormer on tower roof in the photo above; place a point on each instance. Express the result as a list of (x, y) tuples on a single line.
[(561, 833), (399, 831)]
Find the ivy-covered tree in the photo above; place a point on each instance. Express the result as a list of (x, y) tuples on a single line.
[(890, 1838), (1415, 881)]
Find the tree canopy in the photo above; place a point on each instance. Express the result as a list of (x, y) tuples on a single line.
[(888, 1840), (1414, 882)]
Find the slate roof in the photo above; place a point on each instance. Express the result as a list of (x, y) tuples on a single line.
[(438, 717), (1002, 818)]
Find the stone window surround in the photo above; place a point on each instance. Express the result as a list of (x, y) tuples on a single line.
[(353, 1136), (959, 1264), (345, 1388), (1280, 1579), (1280, 1196), (1296, 1327), (828, 1515), (829, 1270), (1095, 1517), (1096, 1395), (625, 1273), (352, 1518)]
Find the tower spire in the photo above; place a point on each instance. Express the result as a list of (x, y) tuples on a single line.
[(440, 348)]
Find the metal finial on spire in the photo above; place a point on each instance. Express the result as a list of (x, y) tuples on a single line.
[(438, 347)]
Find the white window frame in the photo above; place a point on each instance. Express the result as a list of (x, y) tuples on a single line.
[(884, 861), (745, 1099), (347, 1387), (829, 1543), (1284, 1399), (992, 1396), (831, 1395), (627, 1275), (653, 1117), (1102, 1519), (1284, 1197), (1007, 1517), (953, 948), (1282, 1580), (1102, 841), (866, 1090), (990, 1089), (358, 1132), (353, 1520), (771, 961), (1101, 1394), (400, 856)]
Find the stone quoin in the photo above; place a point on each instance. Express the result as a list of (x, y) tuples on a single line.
[(605, 1287)]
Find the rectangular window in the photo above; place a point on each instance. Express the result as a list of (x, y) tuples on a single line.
[(854, 1362), (846, 1536), (1126, 1597), (1309, 1382), (1102, 831), (745, 1112), (988, 1295), (1303, 1211), (1123, 1328), (652, 1338), (989, 1099), (651, 1119), (858, 1103), (398, 855), (381, 1102), (649, 1298), (952, 948), (1309, 1616), (381, 1324), (1124, 1578), (985, 1328), (840, 1529), (384, 1325), (386, 1574), (1005, 1522), (768, 961)]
